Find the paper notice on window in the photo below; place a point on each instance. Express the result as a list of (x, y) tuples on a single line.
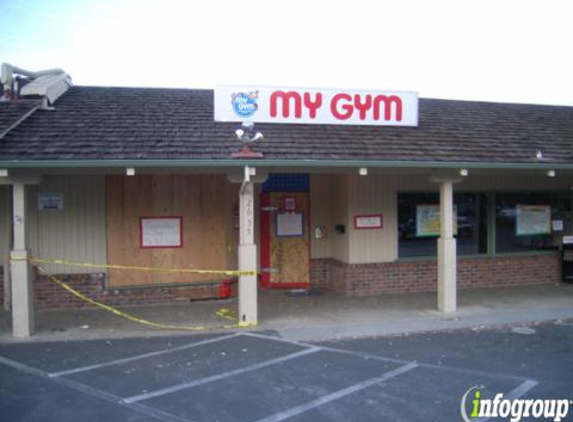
[(290, 224), (557, 225), (533, 219), (428, 220)]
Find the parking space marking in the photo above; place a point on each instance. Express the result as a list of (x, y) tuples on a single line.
[(297, 410), (23, 367), (142, 356), (156, 413), (516, 393), (217, 377), (391, 360), (94, 392)]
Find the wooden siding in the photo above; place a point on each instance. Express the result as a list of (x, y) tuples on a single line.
[(77, 233)]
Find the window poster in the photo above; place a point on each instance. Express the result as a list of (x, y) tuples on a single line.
[(533, 219), (290, 224), (161, 232), (428, 220)]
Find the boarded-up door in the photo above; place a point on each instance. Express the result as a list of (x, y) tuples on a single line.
[(285, 239)]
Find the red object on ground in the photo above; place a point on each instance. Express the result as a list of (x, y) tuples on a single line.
[(224, 289)]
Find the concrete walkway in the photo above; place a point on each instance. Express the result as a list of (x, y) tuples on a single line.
[(319, 317)]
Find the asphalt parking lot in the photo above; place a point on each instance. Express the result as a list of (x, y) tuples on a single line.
[(260, 377)]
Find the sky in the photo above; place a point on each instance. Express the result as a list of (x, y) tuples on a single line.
[(500, 50)]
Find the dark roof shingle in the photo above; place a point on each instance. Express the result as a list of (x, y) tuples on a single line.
[(12, 112), (149, 123)]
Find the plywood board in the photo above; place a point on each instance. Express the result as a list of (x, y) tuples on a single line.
[(289, 255), (205, 204)]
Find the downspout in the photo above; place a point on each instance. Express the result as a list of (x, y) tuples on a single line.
[(247, 179)]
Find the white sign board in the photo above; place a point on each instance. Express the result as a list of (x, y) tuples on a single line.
[(315, 106), (373, 221), (50, 201), (290, 224), (161, 232)]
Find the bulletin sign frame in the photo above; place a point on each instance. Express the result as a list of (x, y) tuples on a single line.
[(368, 221), (174, 241), (282, 224)]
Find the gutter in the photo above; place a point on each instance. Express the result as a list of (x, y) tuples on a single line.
[(61, 164)]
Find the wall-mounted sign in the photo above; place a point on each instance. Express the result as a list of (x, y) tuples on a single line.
[(370, 221), (289, 204), (290, 224), (315, 106), (161, 232), (50, 201), (428, 220), (533, 219)]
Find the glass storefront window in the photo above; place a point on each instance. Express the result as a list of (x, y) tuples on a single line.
[(530, 221), (418, 224)]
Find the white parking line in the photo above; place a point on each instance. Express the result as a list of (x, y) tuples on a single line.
[(516, 393), (281, 416), (364, 355), (94, 392), (217, 377), (137, 357)]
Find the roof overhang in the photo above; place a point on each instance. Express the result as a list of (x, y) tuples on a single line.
[(215, 163)]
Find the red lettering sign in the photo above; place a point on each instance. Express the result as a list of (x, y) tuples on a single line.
[(323, 106), (335, 109), (286, 98)]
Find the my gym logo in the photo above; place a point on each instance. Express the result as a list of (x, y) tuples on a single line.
[(515, 409), (245, 104)]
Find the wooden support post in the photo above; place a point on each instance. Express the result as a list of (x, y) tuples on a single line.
[(447, 262), (23, 321), (247, 255), (7, 245)]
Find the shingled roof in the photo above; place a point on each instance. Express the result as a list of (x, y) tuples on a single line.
[(99, 123), (13, 113)]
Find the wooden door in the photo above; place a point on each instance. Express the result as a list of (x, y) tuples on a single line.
[(285, 241)]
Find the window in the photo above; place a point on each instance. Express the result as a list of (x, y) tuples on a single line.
[(530, 221), (418, 224)]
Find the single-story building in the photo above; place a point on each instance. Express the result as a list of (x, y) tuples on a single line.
[(146, 177)]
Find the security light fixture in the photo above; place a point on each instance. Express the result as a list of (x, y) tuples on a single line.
[(550, 173), (363, 171), (463, 172), (247, 135), (3, 172), (130, 171), (539, 155)]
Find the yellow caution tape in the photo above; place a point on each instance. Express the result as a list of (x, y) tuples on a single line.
[(134, 318), (227, 314), (129, 267)]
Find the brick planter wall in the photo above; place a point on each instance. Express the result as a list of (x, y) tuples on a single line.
[(421, 275), (349, 279), (48, 295)]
